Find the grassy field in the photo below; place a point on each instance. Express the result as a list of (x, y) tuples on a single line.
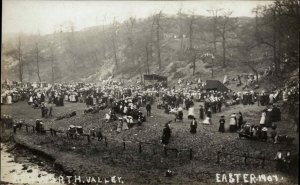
[(94, 159)]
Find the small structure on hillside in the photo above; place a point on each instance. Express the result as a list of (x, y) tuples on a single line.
[(215, 85), (155, 79)]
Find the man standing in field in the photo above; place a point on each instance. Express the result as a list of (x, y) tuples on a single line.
[(148, 108)]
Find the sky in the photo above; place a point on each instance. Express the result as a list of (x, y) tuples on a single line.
[(45, 17)]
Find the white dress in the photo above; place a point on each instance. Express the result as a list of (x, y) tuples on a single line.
[(191, 111), (263, 118), (119, 127), (107, 116), (9, 99), (207, 121), (30, 99), (72, 98), (125, 125), (232, 121)]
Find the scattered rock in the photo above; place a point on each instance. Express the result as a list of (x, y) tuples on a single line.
[(29, 171), (12, 171), (25, 167)]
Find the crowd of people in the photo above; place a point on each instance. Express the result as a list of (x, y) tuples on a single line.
[(124, 102)]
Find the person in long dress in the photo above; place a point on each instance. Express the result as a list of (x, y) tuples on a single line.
[(207, 121), (30, 101), (201, 113), (233, 123), (193, 126), (263, 119), (191, 114), (240, 120), (180, 114), (125, 123), (222, 124), (166, 134), (9, 99), (120, 125)]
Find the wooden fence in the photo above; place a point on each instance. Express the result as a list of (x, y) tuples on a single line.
[(141, 144), (245, 157)]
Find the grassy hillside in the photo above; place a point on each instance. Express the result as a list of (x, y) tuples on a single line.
[(90, 55)]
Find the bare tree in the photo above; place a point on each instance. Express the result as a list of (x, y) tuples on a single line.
[(114, 43), (20, 58), (157, 19), (147, 56), (103, 40), (180, 27), (214, 13), (226, 25), (192, 52), (52, 58), (130, 29), (37, 52)]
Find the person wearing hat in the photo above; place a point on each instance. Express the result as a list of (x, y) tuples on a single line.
[(193, 127), (233, 123), (166, 134), (209, 113), (222, 123), (120, 125), (201, 113), (240, 121), (273, 134), (148, 108), (264, 134), (263, 118)]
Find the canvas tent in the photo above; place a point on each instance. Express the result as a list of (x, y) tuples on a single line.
[(215, 85)]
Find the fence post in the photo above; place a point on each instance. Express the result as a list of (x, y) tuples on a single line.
[(15, 128), (191, 153), (218, 157), (124, 147), (263, 161), (165, 151), (88, 138), (105, 139), (245, 158), (153, 150), (51, 132), (140, 147)]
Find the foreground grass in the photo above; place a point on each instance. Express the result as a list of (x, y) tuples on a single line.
[(95, 159)]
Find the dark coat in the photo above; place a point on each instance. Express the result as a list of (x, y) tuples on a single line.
[(148, 107), (222, 123), (201, 113), (166, 135), (193, 127)]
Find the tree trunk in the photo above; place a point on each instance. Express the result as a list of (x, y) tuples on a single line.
[(158, 48), (224, 49), (52, 67), (215, 35), (20, 61), (194, 61), (274, 44), (158, 40), (147, 59), (115, 53), (37, 63)]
